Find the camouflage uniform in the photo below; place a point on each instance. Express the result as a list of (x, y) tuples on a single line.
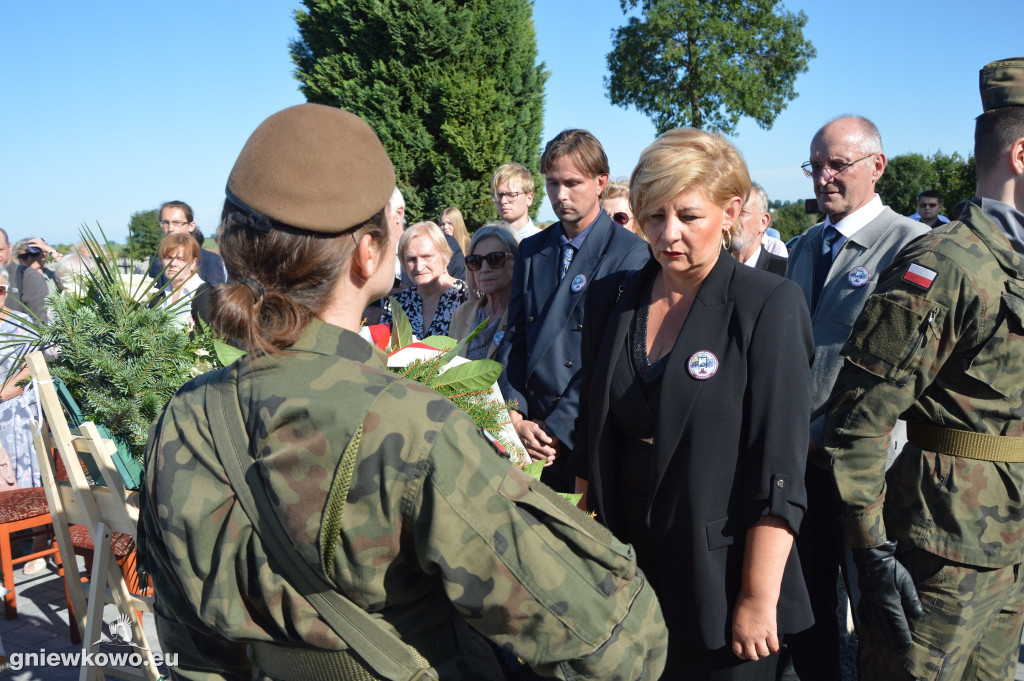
[(438, 531), (940, 342)]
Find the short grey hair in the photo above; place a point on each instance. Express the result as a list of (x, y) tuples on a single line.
[(431, 231), (499, 230), (870, 138), (762, 198)]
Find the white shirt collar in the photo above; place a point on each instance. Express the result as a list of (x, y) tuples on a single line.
[(853, 222), (752, 260)]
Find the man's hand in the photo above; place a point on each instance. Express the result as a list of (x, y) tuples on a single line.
[(888, 595), (754, 628), (539, 444), (45, 247)]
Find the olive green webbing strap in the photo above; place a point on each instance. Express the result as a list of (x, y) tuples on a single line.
[(378, 647), (966, 444)]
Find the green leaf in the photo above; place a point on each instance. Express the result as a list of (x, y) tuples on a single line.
[(401, 328), (227, 354), (454, 352), (440, 342), (479, 374), (573, 499), (534, 469)]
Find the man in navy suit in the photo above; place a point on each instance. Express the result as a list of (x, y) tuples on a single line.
[(553, 272), (176, 216)]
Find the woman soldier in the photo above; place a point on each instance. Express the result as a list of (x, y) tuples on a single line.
[(432, 531)]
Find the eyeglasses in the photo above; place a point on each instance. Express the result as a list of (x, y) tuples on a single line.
[(495, 260), (173, 223), (813, 167), (621, 218), (511, 196)]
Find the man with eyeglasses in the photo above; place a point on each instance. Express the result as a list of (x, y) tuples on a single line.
[(176, 217), (552, 274), (512, 190), (836, 263), (929, 208)]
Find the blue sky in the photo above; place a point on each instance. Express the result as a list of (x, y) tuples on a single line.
[(111, 107)]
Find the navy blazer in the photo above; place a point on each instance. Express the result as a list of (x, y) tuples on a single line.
[(729, 449), (541, 349)]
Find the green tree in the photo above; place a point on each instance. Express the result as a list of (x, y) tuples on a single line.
[(705, 64), (791, 218), (906, 175), (144, 233), (452, 88)]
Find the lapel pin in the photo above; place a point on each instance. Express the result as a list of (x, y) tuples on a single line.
[(702, 365), (498, 337), (578, 282), (859, 276)]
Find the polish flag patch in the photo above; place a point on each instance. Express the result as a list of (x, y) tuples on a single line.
[(921, 276)]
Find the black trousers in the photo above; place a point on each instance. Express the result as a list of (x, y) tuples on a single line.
[(813, 654)]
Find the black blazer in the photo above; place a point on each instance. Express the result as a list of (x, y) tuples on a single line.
[(729, 449), (541, 349), (770, 262)]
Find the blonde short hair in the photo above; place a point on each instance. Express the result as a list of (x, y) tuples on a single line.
[(684, 160), (510, 173), (619, 189), (432, 232)]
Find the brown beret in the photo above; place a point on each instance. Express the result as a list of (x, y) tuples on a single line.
[(313, 167), (1002, 84)]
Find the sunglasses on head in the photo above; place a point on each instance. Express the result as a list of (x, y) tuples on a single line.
[(621, 218), (494, 260)]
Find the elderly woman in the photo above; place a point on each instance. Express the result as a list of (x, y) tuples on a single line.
[(434, 295), (615, 202), (489, 262), (185, 292), (692, 434), (453, 225), (18, 407), (382, 509)]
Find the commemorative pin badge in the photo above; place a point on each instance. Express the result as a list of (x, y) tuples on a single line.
[(498, 337), (859, 276), (578, 282), (702, 365)]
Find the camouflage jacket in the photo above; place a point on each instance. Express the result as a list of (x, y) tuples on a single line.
[(436, 527), (941, 341)]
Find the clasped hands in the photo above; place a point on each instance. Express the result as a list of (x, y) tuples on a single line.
[(539, 443)]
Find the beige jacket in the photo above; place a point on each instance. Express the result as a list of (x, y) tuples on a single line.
[(462, 325)]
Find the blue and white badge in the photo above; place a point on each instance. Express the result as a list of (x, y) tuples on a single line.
[(859, 276), (702, 365), (498, 337), (579, 282)]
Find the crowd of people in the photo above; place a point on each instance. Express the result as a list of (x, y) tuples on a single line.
[(754, 429)]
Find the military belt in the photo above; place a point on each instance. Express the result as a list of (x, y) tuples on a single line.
[(284, 662), (966, 444)]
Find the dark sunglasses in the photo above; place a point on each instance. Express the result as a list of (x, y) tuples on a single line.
[(495, 260), (621, 218), (3, 289)]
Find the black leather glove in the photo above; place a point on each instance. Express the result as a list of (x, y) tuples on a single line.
[(888, 595)]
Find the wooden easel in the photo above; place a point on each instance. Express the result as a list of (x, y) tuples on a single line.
[(102, 510)]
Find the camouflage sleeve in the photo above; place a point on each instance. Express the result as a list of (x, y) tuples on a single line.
[(530, 571), (903, 337)]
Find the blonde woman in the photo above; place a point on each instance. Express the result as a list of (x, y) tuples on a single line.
[(452, 224)]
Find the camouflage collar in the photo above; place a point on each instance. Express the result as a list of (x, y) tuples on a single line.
[(993, 222), (326, 339)]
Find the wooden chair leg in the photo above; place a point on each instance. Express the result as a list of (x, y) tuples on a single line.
[(6, 564)]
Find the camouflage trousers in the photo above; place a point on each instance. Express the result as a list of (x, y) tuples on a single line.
[(971, 629)]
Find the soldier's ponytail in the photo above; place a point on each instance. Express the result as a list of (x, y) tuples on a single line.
[(279, 278)]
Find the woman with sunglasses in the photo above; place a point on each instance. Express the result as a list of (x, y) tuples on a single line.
[(489, 262), (615, 202)]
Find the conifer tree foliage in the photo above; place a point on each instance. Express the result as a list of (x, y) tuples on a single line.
[(451, 87), (144, 233), (705, 64)]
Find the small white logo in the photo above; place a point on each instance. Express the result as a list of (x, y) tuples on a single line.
[(702, 365), (121, 633), (859, 276)]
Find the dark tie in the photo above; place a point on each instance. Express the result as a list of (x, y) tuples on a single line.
[(568, 250), (824, 263)]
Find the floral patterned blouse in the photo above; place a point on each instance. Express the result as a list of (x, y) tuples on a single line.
[(412, 305)]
